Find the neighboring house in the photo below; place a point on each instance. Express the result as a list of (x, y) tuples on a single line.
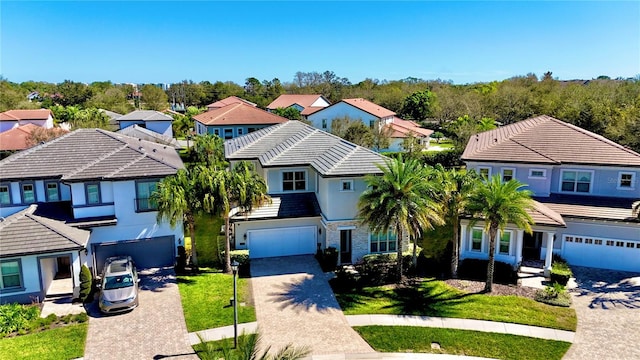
[(16, 138), (584, 187), (96, 180), (306, 104), (139, 132), (228, 101), (315, 180), (370, 114), (148, 119), (34, 95), (235, 120), (113, 119), (13, 118)]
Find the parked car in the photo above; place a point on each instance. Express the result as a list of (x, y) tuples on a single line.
[(119, 285)]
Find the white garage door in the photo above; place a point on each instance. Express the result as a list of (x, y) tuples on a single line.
[(282, 241), (614, 254)]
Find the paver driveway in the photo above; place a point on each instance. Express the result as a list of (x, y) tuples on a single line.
[(608, 307), (154, 330), (295, 304)]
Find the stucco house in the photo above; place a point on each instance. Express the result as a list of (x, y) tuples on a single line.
[(584, 186), (13, 118), (228, 101), (371, 114), (89, 179), (148, 119), (307, 104), (315, 180), (235, 120)]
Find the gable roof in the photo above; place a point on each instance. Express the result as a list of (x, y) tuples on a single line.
[(311, 109), (16, 138), (286, 100), (228, 101), (402, 128), (367, 106), (92, 154), (24, 233), (545, 140), (543, 215), (17, 115), (294, 143), (145, 115), (239, 114), (139, 132)]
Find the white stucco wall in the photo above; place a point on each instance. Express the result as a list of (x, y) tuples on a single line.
[(274, 179), (336, 204), (320, 102), (339, 110)]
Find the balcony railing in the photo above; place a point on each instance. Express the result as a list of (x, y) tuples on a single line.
[(145, 204)]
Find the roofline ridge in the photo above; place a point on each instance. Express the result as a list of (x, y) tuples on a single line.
[(11, 219), (535, 151), (295, 143), (23, 153), (36, 219), (126, 144), (347, 156), (95, 161)]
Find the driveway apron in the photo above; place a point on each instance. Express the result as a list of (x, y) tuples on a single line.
[(295, 305), (155, 329), (607, 304)]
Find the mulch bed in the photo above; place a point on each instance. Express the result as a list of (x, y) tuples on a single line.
[(471, 286)]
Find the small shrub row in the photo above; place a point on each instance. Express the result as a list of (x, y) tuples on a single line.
[(328, 259), (19, 319), (554, 294), (560, 271), (476, 269)]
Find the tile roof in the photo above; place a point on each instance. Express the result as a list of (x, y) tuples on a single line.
[(284, 206), (368, 106), (545, 140), (145, 115), (139, 132), (286, 100), (542, 215), (92, 154), (239, 114), (590, 207), (294, 143), (311, 109), (24, 233), (15, 115), (228, 101), (402, 128), (16, 138)]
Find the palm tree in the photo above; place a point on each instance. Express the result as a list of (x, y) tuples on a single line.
[(498, 204), (399, 200), (455, 188), (636, 209)]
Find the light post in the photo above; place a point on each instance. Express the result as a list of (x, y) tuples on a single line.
[(234, 268)]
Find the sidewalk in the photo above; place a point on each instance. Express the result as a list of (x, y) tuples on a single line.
[(405, 320)]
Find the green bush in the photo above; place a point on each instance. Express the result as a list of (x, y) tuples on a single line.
[(242, 257), (476, 269), (554, 294), (328, 259), (16, 317), (380, 269), (86, 282), (560, 273)]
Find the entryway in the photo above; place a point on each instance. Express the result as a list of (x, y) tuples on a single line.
[(531, 246), (55, 272), (345, 246)]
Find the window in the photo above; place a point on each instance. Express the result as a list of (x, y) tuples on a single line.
[(508, 174), (346, 185), (609, 243), (10, 274), (294, 181), (619, 243), (5, 194), (569, 238), (485, 172), (505, 242), (324, 123), (372, 123), (626, 181), (588, 241), (144, 189), (476, 240), (380, 243), (228, 134), (576, 181), (216, 132), (598, 241), (93, 193), (53, 193), (240, 131), (28, 193), (537, 174), (630, 245)]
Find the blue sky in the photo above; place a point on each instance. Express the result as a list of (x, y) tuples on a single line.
[(151, 41)]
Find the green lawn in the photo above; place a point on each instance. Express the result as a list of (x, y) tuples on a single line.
[(435, 298), (205, 300), (461, 342), (207, 232), (59, 343)]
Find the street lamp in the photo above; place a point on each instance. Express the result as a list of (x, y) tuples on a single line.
[(234, 268)]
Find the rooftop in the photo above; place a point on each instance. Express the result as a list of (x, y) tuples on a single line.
[(590, 207), (286, 100), (368, 106), (402, 128), (16, 138), (145, 115), (139, 132), (239, 114), (16, 115), (284, 206), (228, 101)]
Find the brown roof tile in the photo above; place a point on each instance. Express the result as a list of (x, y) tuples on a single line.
[(228, 101), (590, 207), (286, 100), (239, 114), (368, 106), (15, 115), (546, 140), (402, 128), (16, 138)]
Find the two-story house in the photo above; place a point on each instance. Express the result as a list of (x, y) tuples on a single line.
[(306, 104), (148, 119), (235, 120), (372, 115), (90, 179), (315, 180), (584, 186)]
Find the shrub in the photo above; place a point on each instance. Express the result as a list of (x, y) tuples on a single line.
[(346, 280), (435, 264), (476, 269), (380, 269), (86, 281), (242, 257), (554, 294), (560, 273), (328, 259), (16, 317), (181, 263)]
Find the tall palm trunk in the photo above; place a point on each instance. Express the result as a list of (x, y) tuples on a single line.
[(455, 252), (399, 249), (414, 257), (493, 232), (192, 233), (227, 244)]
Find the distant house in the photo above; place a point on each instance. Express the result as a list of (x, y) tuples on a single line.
[(13, 118), (16, 138), (139, 132), (113, 119), (148, 119), (370, 114), (306, 104), (228, 101), (235, 120), (34, 95)]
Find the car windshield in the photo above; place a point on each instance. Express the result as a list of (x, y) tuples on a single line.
[(118, 282)]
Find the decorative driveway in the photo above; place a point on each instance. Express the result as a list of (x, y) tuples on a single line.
[(295, 304), (608, 307), (154, 330)]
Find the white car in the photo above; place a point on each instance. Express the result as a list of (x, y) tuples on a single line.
[(119, 285)]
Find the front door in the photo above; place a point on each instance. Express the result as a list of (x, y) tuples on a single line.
[(345, 246), (531, 246)]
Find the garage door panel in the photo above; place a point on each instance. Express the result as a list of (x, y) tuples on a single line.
[(282, 241), (620, 255), (147, 253)]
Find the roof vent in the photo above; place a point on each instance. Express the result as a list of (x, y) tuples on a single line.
[(154, 150), (495, 140)]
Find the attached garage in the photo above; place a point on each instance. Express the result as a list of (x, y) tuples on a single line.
[(288, 241), (615, 254), (147, 253)]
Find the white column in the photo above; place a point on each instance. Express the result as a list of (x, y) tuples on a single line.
[(548, 257), (519, 242), (463, 238)]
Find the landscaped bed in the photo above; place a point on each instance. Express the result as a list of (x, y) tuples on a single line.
[(60, 343), (435, 298), (461, 342)]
